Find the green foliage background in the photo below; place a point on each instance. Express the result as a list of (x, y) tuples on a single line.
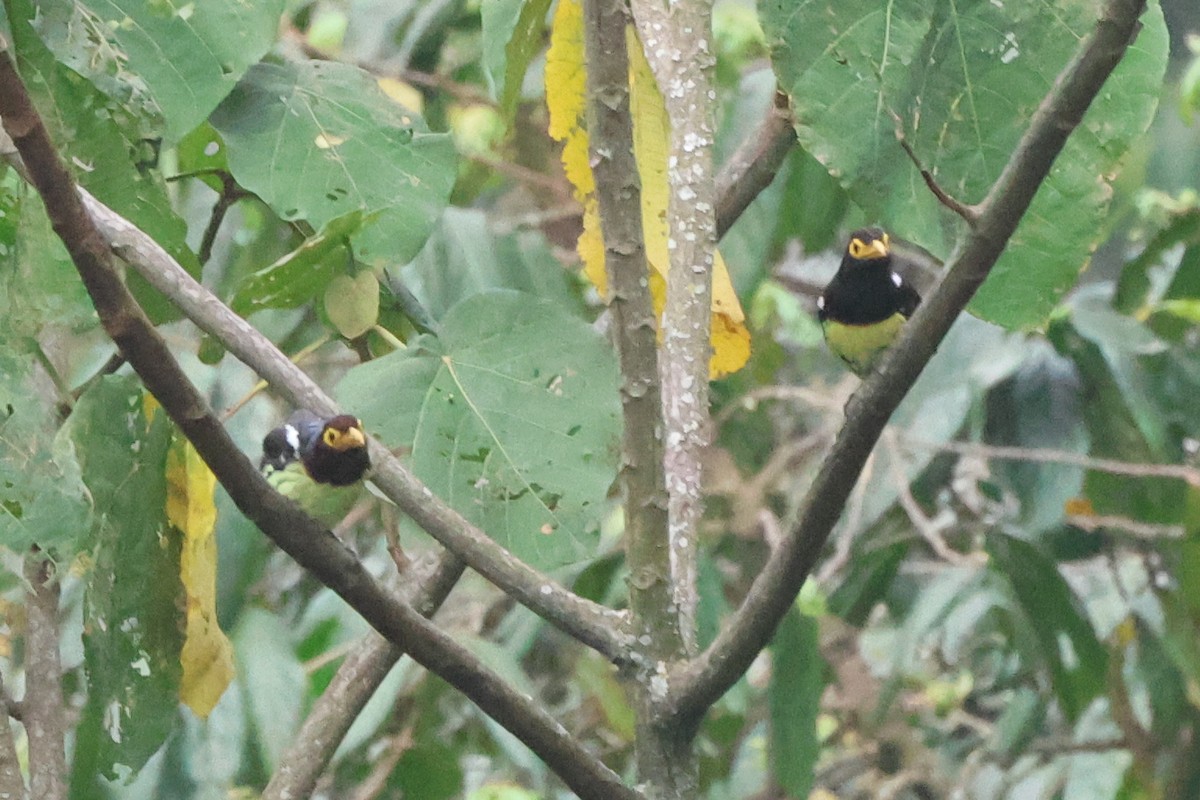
[(985, 618)]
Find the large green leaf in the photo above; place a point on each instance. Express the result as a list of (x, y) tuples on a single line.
[(512, 416), (963, 79), (465, 256), (273, 681), (797, 680), (133, 631), (43, 500), (1076, 658), (302, 274), (512, 35), (319, 140), (103, 142), (189, 56)]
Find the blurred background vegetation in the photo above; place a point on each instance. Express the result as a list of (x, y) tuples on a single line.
[(1002, 613)]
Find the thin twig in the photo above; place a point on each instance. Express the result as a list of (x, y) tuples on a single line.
[(1048, 456), (259, 387), (230, 194), (967, 212), (114, 363), (924, 525), (1118, 524), (525, 175)]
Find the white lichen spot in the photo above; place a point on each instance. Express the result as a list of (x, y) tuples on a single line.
[(546, 589), (112, 721)]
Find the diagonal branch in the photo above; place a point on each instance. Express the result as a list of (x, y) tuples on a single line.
[(590, 623), (754, 164), (344, 698), (295, 532), (700, 683)]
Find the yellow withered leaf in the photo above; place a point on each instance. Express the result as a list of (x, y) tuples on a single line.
[(566, 97), (207, 655)]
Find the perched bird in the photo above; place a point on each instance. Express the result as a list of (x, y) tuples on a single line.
[(319, 462), (867, 301)]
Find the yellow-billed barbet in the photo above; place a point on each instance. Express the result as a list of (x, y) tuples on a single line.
[(867, 301)]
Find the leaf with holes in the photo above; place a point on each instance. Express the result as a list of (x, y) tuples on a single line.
[(513, 418), (212, 44), (319, 140), (961, 81)]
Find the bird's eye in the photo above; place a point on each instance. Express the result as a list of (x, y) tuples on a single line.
[(857, 248), (331, 437)]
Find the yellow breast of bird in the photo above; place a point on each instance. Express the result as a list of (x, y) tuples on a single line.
[(861, 345)]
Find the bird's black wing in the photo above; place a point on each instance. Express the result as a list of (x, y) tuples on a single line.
[(908, 298)]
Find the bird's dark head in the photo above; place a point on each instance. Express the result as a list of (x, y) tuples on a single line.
[(342, 433), (868, 244), (339, 455)]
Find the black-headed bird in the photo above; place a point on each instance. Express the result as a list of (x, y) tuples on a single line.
[(867, 301), (319, 462)]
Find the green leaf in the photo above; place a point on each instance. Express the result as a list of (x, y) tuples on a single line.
[(319, 140), (797, 680), (1040, 407), (428, 771), (964, 81), (1137, 398), (870, 577), (103, 143), (300, 275), (464, 257), (1076, 658), (353, 303), (273, 681), (513, 33), (512, 416), (133, 615), (43, 499), (189, 55), (1019, 722)]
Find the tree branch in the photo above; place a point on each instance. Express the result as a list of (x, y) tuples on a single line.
[(754, 164), (618, 196), (355, 681), (700, 683), (295, 532), (12, 785), (589, 622), (675, 40), (43, 705)]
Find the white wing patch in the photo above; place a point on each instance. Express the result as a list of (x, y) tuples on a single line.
[(293, 437), (821, 302), (896, 279)]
